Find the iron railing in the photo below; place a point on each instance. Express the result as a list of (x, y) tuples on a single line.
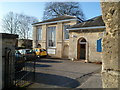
[(17, 78)]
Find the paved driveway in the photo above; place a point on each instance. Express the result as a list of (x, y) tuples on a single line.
[(54, 73)]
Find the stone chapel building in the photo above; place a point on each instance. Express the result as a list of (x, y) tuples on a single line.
[(68, 37)]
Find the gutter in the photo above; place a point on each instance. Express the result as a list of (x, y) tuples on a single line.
[(83, 28), (54, 22)]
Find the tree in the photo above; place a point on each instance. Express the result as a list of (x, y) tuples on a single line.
[(18, 24), (55, 9), (25, 27), (10, 23)]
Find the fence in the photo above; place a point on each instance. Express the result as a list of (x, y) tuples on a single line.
[(12, 77), (15, 77)]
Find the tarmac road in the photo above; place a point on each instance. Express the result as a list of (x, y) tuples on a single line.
[(59, 73)]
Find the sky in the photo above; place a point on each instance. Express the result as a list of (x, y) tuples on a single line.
[(36, 9)]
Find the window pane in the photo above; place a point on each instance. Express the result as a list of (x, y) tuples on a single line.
[(39, 34), (66, 32), (51, 36)]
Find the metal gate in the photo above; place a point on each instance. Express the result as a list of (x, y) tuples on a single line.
[(17, 78)]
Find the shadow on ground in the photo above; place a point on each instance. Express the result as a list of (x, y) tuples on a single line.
[(55, 80), (48, 61), (49, 79), (36, 65)]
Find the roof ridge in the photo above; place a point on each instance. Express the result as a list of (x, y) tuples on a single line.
[(64, 16), (93, 18), (69, 15)]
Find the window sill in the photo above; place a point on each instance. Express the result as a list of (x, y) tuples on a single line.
[(66, 39), (52, 47)]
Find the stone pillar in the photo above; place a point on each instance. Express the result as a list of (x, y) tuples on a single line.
[(7, 61), (1, 62), (111, 45), (35, 36), (44, 36), (59, 36)]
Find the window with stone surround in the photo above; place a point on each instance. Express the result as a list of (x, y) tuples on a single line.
[(39, 32), (66, 32), (51, 36)]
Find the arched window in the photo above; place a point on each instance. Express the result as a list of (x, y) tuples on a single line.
[(82, 41), (39, 46)]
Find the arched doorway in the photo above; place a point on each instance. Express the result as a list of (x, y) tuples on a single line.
[(65, 51), (81, 53), (39, 46)]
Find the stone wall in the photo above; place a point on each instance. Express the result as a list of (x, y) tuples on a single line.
[(111, 45), (91, 49), (62, 46), (65, 49), (25, 43)]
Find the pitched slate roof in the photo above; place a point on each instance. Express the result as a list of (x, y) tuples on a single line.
[(97, 21), (64, 17)]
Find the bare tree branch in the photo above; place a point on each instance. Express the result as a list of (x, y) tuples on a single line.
[(18, 24), (55, 9)]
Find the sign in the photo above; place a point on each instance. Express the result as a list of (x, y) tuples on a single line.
[(51, 51)]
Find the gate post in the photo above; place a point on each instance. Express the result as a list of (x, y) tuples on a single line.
[(1, 62), (7, 49), (111, 45)]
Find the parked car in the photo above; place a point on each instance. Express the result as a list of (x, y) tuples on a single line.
[(19, 61), (40, 52), (28, 54)]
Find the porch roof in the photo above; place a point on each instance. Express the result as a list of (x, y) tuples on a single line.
[(93, 23)]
